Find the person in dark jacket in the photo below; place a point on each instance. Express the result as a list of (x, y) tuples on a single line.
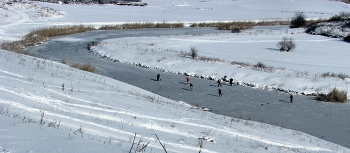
[(291, 98), (191, 86), (219, 83), (231, 82), (158, 77), (220, 93)]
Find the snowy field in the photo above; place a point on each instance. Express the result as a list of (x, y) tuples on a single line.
[(49, 107), (299, 71)]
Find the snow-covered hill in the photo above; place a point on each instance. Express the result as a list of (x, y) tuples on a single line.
[(50, 107), (46, 106)]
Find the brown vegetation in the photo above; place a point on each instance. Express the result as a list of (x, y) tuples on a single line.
[(142, 25), (40, 35), (85, 67), (334, 96)]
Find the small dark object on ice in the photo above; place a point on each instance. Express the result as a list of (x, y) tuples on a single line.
[(158, 77), (220, 93), (191, 86)]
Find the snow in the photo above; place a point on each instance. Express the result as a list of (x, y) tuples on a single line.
[(300, 70), (85, 112), (45, 103)]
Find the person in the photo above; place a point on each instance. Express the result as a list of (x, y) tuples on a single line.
[(158, 77), (191, 86), (220, 93), (291, 98), (231, 81), (219, 83), (225, 78), (187, 80)]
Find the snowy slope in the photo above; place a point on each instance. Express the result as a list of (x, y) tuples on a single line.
[(90, 113), (50, 107)]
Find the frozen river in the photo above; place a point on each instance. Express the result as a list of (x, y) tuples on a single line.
[(328, 121)]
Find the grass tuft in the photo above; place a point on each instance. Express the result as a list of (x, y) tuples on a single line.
[(85, 67), (142, 25), (40, 35), (335, 95)]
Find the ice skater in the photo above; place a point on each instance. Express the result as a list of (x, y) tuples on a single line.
[(231, 82), (219, 83), (191, 86), (220, 93), (291, 98), (188, 80), (158, 77)]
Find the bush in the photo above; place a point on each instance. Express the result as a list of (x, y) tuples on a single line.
[(298, 20), (194, 52), (260, 65), (341, 17), (347, 38), (334, 96), (286, 44)]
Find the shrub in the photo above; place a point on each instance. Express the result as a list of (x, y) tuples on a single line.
[(235, 30), (286, 44), (260, 65), (298, 20), (347, 38), (193, 52), (334, 96), (341, 17)]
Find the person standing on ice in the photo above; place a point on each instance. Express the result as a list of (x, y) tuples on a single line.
[(231, 81), (191, 86), (220, 93), (158, 77), (219, 83), (187, 80), (291, 98)]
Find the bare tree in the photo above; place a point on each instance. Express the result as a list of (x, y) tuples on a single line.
[(194, 52), (286, 44)]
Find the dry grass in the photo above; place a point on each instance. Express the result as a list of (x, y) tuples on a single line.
[(142, 25), (85, 67), (15, 46), (242, 25), (53, 31), (335, 95), (309, 22), (334, 75), (345, 1), (40, 35)]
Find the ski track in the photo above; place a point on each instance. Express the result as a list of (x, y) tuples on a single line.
[(23, 18)]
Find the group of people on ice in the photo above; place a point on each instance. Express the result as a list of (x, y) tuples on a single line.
[(188, 82)]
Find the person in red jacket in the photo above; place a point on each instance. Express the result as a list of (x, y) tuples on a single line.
[(188, 80)]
